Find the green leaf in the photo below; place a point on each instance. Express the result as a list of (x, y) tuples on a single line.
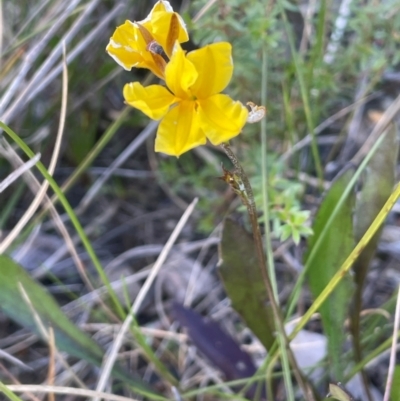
[(395, 390), (243, 281), (335, 247), (286, 232), (296, 236), (68, 337), (377, 185)]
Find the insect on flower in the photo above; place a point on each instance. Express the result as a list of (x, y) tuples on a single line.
[(143, 44), (257, 113)]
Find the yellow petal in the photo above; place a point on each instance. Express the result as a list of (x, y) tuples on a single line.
[(214, 66), (153, 100), (180, 74), (221, 118), (180, 131), (125, 45), (167, 28), (155, 63), (128, 48), (162, 5), (125, 58)]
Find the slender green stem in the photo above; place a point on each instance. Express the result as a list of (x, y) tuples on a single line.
[(298, 64), (8, 393), (150, 355), (77, 225), (269, 374), (265, 177), (248, 200), (10, 205), (266, 219), (317, 51)]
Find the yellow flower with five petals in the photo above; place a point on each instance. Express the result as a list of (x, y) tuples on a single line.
[(193, 109), (138, 44)]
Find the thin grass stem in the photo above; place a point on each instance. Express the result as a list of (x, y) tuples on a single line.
[(298, 63), (266, 220)]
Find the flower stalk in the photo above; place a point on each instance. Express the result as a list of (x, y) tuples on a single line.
[(240, 184)]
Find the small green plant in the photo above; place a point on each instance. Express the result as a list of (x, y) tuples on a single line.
[(288, 220)]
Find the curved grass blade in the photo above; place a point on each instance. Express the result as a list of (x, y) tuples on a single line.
[(337, 244), (71, 214), (68, 337)]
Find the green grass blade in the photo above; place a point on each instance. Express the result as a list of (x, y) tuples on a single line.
[(8, 393), (8, 208), (150, 355), (395, 391), (300, 74), (68, 337), (266, 216), (71, 214), (337, 244), (379, 179)]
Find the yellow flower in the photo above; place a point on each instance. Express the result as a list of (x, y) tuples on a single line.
[(192, 110), (139, 44)]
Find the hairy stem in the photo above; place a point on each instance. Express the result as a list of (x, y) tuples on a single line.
[(245, 191)]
